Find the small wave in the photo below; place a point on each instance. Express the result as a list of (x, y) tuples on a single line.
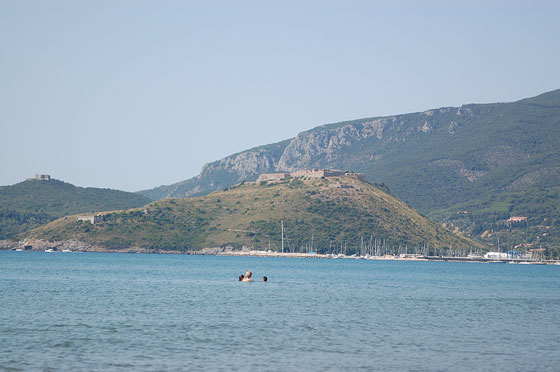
[(8, 368), (64, 344), (121, 365)]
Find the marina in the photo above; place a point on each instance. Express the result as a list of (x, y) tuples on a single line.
[(505, 258), (418, 258)]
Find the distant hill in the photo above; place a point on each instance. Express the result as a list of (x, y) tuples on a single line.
[(336, 214), (33, 202), (472, 166)]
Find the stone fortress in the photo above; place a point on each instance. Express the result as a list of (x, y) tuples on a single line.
[(313, 173), (40, 177)]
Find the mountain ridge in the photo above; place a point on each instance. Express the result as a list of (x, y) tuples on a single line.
[(436, 160), (299, 151)]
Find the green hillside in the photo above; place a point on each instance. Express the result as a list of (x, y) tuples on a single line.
[(31, 203), (337, 213), (492, 161)]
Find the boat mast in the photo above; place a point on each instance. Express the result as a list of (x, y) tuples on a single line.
[(282, 222)]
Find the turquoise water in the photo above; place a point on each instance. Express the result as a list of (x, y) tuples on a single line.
[(117, 312)]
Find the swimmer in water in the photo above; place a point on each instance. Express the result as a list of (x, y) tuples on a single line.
[(241, 277), (248, 276), (265, 279)]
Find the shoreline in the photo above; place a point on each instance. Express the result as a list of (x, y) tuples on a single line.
[(36, 245), (381, 258)]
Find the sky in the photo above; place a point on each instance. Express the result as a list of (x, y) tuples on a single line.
[(135, 94)]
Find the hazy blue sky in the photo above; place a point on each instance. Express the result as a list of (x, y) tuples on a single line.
[(135, 94)]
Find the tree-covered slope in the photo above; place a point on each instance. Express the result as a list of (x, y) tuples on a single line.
[(440, 161), (334, 213), (32, 203)]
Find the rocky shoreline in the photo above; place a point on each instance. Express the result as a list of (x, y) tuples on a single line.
[(71, 245)]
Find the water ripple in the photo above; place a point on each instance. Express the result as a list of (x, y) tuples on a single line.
[(112, 312)]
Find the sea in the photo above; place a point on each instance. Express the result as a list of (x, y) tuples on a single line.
[(142, 312)]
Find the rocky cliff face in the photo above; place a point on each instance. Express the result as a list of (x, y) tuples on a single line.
[(316, 148), (322, 145), (432, 160), (245, 164)]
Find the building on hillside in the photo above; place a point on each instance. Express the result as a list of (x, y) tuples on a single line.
[(359, 176), (40, 177), (517, 219), (537, 250), (317, 173), (93, 219), (272, 177)]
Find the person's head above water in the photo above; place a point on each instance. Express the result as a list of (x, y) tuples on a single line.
[(248, 274), (265, 278), (241, 277)]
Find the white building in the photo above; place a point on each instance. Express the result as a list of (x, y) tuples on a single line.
[(496, 255), (92, 219)]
